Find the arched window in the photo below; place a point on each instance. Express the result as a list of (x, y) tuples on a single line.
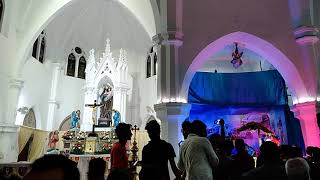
[(39, 47), (82, 67), (1, 13), (149, 67), (155, 64), (71, 65), (76, 63)]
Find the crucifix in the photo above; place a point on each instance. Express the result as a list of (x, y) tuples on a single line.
[(134, 156), (94, 112)]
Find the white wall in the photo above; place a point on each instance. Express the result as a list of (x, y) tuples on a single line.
[(70, 96), (35, 92), (147, 98)]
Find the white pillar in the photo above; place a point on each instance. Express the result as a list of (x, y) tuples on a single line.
[(307, 114), (120, 100), (172, 115), (8, 129), (52, 103)]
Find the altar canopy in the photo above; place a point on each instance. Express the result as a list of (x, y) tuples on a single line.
[(240, 98)]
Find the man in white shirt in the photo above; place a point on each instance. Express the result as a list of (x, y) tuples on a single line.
[(197, 157)]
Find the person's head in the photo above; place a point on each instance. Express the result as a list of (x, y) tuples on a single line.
[(186, 128), (285, 152), (296, 152), (199, 128), (123, 132), (297, 169), (240, 145), (119, 174), (227, 147), (97, 169), (309, 150), (53, 167), (153, 129), (269, 152), (78, 112)]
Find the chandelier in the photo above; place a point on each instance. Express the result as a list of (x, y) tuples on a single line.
[(236, 57)]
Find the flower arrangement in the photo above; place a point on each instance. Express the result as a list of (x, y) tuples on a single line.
[(105, 149), (81, 135), (77, 148), (68, 135)]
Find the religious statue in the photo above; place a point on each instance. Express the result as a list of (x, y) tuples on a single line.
[(236, 57), (106, 101), (116, 118), (75, 117), (94, 110), (53, 139)]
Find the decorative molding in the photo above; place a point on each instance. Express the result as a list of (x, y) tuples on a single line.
[(173, 108), (168, 38), (16, 83), (306, 35), (303, 108), (6, 128)]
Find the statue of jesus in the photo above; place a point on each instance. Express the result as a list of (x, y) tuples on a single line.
[(94, 110)]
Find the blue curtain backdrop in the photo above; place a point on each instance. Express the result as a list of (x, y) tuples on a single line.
[(215, 95), (265, 88)]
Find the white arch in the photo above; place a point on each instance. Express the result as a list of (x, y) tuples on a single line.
[(57, 6), (274, 56)]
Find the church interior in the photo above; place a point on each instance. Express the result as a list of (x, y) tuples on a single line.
[(72, 70)]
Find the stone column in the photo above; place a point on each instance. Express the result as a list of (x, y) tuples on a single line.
[(172, 115), (307, 114), (52, 103), (8, 129), (306, 38), (120, 100), (168, 79)]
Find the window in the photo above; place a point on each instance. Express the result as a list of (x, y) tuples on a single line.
[(155, 64), (151, 65), (82, 68), (39, 47), (1, 12), (148, 67), (71, 65), (76, 63)]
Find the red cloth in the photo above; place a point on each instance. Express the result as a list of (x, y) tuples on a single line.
[(119, 157)]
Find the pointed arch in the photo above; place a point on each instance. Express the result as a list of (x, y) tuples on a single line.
[(82, 67), (274, 56), (71, 67)]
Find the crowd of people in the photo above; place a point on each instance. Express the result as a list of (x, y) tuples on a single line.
[(200, 158)]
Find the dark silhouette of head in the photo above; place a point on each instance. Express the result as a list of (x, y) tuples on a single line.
[(270, 152), (186, 128), (199, 128), (97, 169), (119, 174), (227, 147), (53, 167), (153, 129), (297, 169), (123, 132), (240, 145)]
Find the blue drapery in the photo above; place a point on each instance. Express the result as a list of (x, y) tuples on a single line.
[(252, 88)]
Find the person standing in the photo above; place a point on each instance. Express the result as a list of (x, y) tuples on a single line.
[(243, 161), (119, 156), (155, 156), (197, 157)]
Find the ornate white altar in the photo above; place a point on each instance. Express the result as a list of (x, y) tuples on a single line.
[(104, 70)]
